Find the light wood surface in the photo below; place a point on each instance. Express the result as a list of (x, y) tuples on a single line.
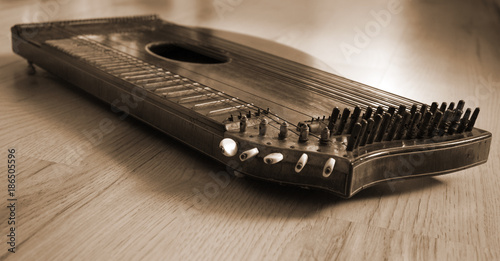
[(132, 193)]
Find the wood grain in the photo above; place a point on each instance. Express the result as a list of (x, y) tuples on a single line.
[(132, 193)]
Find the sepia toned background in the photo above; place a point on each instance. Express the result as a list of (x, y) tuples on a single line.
[(133, 193)]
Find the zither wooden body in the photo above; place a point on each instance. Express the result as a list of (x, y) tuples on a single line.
[(263, 116)]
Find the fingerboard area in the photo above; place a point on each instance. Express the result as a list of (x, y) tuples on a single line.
[(177, 88)]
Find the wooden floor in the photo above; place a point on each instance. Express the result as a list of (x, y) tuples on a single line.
[(133, 193)]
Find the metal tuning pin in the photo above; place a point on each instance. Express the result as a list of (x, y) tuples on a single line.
[(383, 127), (425, 125), (366, 134), (413, 110), (405, 125), (304, 133), (423, 109), (473, 119), (243, 123), (325, 135), (364, 125), (273, 158), (283, 130), (455, 122), (443, 107), (333, 118), (434, 107), (228, 147), (391, 110), (401, 109), (368, 113), (248, 154), (434, 127), (354, 119), (354, 137), (328, 168), (451, 106), (263, 127), (301, 163), (343, 120), (413, 128), (377, 120), (445, 122), (460, 105), (464, 121), (394, 128)]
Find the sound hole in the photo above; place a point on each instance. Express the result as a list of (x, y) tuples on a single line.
[(188, 53)]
